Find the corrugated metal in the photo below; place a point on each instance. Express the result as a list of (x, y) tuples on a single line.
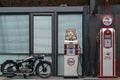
[(114, 9), (94, 27), (117, 31), (111, 1), (85, 65)]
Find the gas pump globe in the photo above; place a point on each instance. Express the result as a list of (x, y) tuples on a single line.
[(70, 53), (107, 21), (70, 34)]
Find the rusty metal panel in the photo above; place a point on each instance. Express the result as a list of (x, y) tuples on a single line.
[(18, 3), (24, 3)]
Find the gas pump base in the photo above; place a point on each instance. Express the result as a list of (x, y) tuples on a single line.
[(107, 77), (113, 76), (71, 77), (70, 69)]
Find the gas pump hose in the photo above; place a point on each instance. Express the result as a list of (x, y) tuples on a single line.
[(80, 63)]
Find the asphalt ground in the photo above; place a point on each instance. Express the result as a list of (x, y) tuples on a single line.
[(55, 78)]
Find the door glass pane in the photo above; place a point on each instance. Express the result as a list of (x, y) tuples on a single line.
[(14, 33), (42, 34), (73, 21), (67, 21)]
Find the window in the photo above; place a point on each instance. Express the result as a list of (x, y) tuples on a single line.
[(69, 21), (14, 33), (42, 34)]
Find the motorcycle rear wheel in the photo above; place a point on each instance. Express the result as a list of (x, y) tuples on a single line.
[(8, 69)]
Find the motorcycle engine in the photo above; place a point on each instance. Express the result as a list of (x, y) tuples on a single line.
[(26, 69)]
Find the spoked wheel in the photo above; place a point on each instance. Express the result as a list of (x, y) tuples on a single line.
[(44, 70), (8, 69)]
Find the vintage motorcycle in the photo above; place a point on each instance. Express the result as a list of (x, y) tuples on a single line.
[(31, 65)]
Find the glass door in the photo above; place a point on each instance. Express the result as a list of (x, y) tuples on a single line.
[(41, 35), (68, 21)]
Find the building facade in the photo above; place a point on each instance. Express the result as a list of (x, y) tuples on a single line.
[(38, 27)]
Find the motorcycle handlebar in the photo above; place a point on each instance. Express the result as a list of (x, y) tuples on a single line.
[(40, 57)]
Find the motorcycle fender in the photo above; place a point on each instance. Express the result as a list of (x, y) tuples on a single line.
[(9, 61), (38, 64)]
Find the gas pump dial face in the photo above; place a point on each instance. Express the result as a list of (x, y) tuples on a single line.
[(107, 41)]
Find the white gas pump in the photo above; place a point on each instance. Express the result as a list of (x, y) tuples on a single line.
[(107, 60), (70, 54)]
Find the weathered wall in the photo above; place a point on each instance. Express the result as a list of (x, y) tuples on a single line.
[(91, 47), (7, 3)]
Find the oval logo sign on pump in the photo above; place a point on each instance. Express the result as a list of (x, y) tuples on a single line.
[(70, 61), (107, 20)]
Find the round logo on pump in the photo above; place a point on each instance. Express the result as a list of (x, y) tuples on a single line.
[(107, 20), (70, 61)]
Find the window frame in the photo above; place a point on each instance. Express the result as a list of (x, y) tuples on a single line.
[(32, 31)]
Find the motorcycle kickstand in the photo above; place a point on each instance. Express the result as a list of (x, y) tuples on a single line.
[(24, 75)]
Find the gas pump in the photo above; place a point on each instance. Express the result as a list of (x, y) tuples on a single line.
[(70, 54), (107, 64)]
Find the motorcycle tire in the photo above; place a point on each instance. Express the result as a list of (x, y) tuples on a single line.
[(46, 71), (7, 70)]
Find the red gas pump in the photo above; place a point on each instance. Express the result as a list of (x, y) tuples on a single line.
[(107, 60), (108, 65)]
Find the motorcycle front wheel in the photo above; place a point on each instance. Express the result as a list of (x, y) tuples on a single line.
[(44, 69), (8, 69)]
